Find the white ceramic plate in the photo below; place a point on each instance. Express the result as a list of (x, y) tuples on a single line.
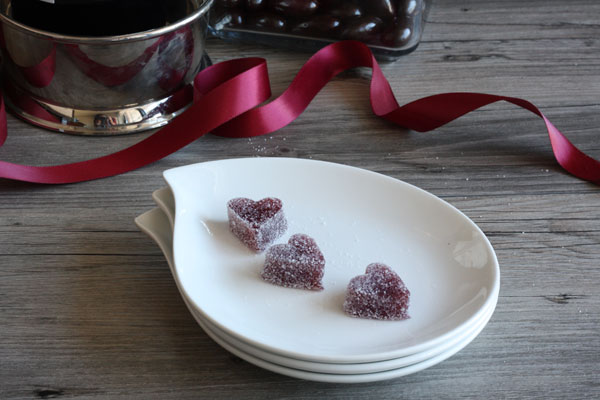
[(448, 348), (163, 198), (155, 224), (341, 378), (357, 217)]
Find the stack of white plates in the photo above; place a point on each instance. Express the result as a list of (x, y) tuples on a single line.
[(357, 217)]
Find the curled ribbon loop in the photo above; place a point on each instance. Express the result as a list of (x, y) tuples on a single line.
[(226, 100)]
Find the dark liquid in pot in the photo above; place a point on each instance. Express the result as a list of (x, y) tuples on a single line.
[(98, 17)]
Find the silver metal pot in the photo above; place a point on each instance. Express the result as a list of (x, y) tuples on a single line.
[(102, 85)]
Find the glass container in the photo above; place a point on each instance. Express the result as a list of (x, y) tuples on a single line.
[(389, 27)]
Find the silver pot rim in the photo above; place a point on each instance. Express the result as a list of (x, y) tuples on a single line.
[(203, 8)]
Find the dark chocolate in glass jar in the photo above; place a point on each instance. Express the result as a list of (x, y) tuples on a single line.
[(97, 17), (390, 27)]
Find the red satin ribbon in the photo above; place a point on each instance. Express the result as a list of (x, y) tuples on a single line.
[(226, 99)]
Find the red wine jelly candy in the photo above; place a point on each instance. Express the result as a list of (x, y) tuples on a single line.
[(298, 264), (378, 294), (257, 224)]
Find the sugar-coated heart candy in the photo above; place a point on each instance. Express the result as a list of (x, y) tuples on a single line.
[(298, 264), (378, 294), (257, 224)]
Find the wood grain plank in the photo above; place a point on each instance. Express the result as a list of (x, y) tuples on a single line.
[(88, 308)]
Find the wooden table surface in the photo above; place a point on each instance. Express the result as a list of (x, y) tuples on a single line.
[(88, 307)]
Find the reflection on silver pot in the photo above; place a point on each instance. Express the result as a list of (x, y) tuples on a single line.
[(103, 84)]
